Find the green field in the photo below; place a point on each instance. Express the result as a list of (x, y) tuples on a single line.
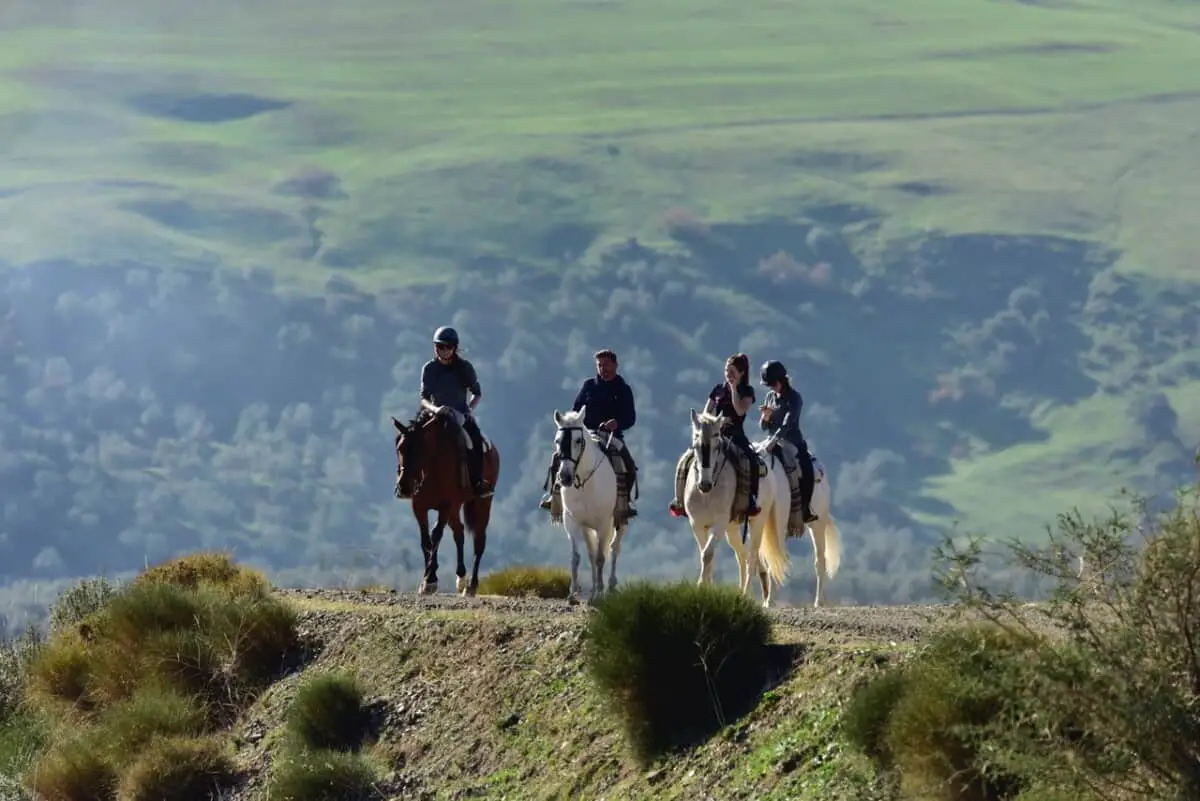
[(478, 128)]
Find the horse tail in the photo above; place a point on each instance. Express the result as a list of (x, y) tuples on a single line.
[(773, 549), (833, 546)]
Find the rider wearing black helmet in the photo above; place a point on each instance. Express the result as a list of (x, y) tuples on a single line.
[(446, 381), (781, 412)]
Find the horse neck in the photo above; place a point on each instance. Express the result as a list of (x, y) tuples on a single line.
[(439, 454), (589, 460)]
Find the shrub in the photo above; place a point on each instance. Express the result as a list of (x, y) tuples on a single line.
[(75, 769), (128, 726), (16, 656), (677, 662), (178, 767), (58, 675), (322, 776), (328, 713), (81, 601), (536, 582), (207, 568), (866, 716)]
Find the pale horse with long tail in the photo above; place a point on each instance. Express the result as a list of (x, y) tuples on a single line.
[(589, 498), (710, 493), (826, 538)]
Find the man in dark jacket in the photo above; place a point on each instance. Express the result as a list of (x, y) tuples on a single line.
[(610, 409)]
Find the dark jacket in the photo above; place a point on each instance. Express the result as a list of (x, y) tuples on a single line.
[(786, 415), (448, 384), (606, 400), (722, 404)]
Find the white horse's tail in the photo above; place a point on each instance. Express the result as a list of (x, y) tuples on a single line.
[(773, 548), (833, 545)]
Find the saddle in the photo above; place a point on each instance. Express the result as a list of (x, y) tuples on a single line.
[(626, 489), (465, 446), (740, 511)]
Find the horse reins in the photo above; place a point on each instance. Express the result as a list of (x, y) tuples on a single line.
[(563, 453)]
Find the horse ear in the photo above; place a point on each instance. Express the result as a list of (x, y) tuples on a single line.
[(582, 413), (695, 417), (557, 418), (399, 426)]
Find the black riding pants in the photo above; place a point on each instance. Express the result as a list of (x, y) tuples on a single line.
[(475, 457), (808, 474)]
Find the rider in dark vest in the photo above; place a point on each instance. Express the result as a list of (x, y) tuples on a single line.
[(610, 409), (732, 400), (446, 381), (781, 412)]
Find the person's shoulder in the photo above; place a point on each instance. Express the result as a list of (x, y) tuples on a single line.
[(746, 391), (465, 364), (587, 384), (429, 365)]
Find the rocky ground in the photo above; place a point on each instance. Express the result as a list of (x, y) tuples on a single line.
[(486, 698)]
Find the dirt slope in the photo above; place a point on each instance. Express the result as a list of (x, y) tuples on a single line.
[(486, 698)]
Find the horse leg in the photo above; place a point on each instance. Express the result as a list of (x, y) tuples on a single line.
[(614, 551), (427, 550), (575, 535), (733, 536), (479, 513), (603, 537), (818, 543), (704, 543), (460, 541), (435, 544)]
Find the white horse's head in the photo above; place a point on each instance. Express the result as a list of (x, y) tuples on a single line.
[(570, 442), (706, 433)]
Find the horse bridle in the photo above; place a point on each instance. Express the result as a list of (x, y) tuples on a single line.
[(563, 451), (703, 450), (411, 431)]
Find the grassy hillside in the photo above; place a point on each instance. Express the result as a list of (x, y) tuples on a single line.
[(230, 228)]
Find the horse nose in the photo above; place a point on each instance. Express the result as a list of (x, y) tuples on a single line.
[(705, 486)]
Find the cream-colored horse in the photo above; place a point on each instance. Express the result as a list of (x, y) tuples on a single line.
[(826, 538), (708, 500)]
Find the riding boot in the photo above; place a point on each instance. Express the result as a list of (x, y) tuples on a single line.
[(552, 481), (631, 476), (807, 485), (753, 459)]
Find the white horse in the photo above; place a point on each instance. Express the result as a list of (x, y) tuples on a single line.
[(827, 539), (708, 500), (589, 498)]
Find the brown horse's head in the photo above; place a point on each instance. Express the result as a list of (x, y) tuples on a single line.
[(430, 442)]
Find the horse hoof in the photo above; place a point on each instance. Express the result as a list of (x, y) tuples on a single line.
[(472, 590), (460, 585), (573, 599), (428, 588)]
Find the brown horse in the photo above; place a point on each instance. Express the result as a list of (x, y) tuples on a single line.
[(441, 485)]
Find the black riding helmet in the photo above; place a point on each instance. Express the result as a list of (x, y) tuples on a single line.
[(446, 336), (773, 371)]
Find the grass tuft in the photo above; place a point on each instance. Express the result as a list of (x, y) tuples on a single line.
[(328, 714), (178, 768), (527, 581), (677, 662), (322, 776)]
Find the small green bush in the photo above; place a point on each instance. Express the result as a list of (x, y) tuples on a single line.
[(931, 719), (16, 655), (526, 582), (74, 769), (677, 662), (207, 568), (328, 714), (80, 601), (322, 776), (178, 768)]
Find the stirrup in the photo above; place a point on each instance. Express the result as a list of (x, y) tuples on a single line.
[(809, 517), (545, 504)]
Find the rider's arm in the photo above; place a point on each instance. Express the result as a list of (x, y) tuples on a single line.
[(763, 422), (791, 420), (471, 382), (626, 411), (427, 388), (744, 400), (581, 396)]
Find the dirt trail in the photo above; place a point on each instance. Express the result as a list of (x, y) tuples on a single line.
[(884, 623)]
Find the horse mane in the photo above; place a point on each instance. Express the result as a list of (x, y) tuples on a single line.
[(708, 417)]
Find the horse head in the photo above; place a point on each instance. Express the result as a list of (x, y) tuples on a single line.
[(706, 433), (570, 442)]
